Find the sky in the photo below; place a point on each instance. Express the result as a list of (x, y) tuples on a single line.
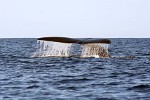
[(75, 18)]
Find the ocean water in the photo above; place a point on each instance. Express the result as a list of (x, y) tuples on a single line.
[(124, 76)]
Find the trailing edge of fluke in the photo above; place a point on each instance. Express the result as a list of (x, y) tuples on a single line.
[(74, 40)]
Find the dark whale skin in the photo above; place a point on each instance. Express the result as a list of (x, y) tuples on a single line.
[(74, 40)]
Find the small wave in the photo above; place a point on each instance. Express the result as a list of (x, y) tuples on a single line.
[(67, 87), (74, 80), (130, 57), (32, 86), (124, 57), (140, 88)]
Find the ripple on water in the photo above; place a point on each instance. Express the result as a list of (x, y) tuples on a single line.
[(140, 88)]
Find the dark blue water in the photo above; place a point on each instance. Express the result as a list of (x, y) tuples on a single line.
[(118, 78)]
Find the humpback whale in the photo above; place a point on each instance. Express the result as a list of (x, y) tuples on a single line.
[(63, 47)]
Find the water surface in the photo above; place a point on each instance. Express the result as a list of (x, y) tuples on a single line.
[(23, 77)]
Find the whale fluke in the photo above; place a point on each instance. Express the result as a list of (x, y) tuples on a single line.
[(68, 47), (74, 40)]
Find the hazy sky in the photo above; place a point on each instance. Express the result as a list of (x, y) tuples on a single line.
[(75, 18)]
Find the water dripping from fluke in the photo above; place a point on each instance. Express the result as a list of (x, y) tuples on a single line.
[(69, 47)]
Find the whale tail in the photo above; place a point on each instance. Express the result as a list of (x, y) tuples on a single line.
[(63, 46)]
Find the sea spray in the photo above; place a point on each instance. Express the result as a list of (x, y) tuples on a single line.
[(49, 48), (95, 50)]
